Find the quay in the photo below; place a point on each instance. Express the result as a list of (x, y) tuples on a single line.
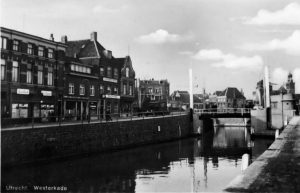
[(277, 169)]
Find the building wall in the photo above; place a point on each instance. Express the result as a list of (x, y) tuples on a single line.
[(29, 145), (22, 98)]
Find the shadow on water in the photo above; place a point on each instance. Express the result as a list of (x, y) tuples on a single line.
[(207, 163)]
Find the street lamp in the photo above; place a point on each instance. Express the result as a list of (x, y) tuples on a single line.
[(282, 108)]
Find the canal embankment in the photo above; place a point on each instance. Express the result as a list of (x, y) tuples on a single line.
[(26, 145), (277, 169)]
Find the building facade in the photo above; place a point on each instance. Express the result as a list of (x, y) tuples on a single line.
[(231, 98), (153, 94), (96, 83), (31, 75)]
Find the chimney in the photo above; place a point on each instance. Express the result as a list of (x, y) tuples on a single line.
[(94, 36), (51, 37), (64, 39)]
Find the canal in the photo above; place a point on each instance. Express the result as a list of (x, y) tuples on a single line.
[(204, 164)]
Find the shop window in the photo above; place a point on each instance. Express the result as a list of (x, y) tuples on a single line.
[(108, 71), (116, 90), (116, 73), (92, 90), (101, 89), (30, 49), (19, 111), (101, 71), (71, 88), (36, 110), (127, 72), (29, 74), (41, 51), (47, 110), (81, 89), (3, 43), (15, 71), (50, 53), (50, 77), (16, 45), (116, 108), (3, 69)]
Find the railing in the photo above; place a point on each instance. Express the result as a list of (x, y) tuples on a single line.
[(34, 122), (223, 111)]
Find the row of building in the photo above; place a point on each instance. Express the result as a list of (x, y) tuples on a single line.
[(77, 79)]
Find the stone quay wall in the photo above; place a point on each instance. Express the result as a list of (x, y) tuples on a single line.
[(37, 144)]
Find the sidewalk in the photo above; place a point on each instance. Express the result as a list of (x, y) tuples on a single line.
[(277, 169), (85, 122)]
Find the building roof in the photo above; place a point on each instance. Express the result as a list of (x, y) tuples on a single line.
[(84, 48), (218, 93), (232, 92)]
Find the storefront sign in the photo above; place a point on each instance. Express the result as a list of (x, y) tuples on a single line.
[(46, 93), (112, 96), (23, 91), (110, 80)]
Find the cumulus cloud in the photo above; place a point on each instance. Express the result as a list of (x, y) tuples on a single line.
[(231, 61), (291, 45), (161, 36), (279, 76), (289, 15)]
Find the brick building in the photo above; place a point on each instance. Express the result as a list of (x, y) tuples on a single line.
[(231, 97), (96, 83), (156, 92), (31, 75)]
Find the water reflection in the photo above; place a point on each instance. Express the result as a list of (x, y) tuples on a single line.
[(205, 164)]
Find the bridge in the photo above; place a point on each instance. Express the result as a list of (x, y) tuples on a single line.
[(223, 113)]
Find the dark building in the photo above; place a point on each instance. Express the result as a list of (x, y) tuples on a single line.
[(96, 83), (153, 94), (31, 75), (231, 97)]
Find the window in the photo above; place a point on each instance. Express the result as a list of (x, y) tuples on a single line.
[(3, 69), (19, 111), (124, 89), (16, 45), (50, 53), (15, 71), (92, 90), (108, 71), (150, 90), (29, 74), (101, 71), (41, 51), (81, 89), (88, 70), (72, 67), (127, 72), (3, 43), (130, 90), (101, 89), (50, 77), (115, 73), (108, 90), (116, 90), (84, 69), (40, 74), (71, 88), (116, 108), (30, 49)]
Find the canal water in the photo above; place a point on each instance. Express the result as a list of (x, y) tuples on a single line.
[(204, 164)]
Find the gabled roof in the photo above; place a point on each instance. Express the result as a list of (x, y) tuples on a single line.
[(84, 48), (232, 92)]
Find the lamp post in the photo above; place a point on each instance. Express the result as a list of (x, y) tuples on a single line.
[(282, 109)]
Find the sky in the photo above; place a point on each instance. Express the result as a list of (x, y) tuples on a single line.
[(225, 42)]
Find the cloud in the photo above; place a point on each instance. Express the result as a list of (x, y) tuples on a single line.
[(279, 76), (296, 77), (161, 36), (291, 45), (231, 61), (289, 15)]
